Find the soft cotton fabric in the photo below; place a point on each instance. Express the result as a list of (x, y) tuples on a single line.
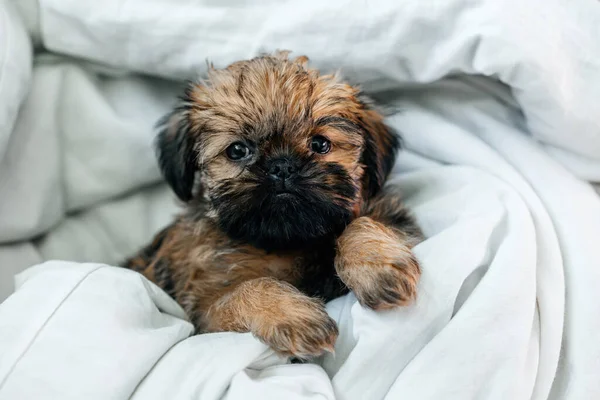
[(498, 106)]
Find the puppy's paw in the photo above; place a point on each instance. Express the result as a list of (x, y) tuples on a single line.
[(277, 313), (386, 286), (302, 329), (373, 261)]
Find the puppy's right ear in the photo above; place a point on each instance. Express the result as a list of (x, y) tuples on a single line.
[(175, 153)]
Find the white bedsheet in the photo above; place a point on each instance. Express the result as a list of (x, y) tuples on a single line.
[(498, 172)]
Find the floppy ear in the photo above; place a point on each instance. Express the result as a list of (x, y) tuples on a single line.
[(175, 153), (379, 153)]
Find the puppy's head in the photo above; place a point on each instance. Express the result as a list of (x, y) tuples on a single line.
[(282, 155)]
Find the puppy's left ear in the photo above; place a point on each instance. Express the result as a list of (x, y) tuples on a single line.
[(381, 146), (175, 153)]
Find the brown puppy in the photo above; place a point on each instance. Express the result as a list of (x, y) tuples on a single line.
[(282, 172)]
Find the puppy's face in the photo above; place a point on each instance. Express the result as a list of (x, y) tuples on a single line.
[(283, 155)]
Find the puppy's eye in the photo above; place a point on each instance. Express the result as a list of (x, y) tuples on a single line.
[(320, 145), (237, 151)]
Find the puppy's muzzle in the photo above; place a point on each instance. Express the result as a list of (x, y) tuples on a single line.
[(281, 171)]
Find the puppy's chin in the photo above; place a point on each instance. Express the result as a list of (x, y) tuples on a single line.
[(284, 221)]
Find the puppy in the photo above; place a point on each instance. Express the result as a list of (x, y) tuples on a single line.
[(281, 170)]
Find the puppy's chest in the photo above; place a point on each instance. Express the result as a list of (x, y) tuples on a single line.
[(291, 267), (311, 270), (210, 263), (319, 278)]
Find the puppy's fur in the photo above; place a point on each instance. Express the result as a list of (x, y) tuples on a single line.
[(259, 251)]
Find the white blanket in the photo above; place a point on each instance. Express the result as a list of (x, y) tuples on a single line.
[(497, 171)]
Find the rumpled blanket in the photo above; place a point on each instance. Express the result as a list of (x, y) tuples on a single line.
[(499, 106)]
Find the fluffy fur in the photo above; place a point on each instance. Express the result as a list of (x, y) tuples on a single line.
[(302, 217)]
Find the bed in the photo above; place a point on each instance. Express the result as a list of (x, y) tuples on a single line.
[(499, 107)]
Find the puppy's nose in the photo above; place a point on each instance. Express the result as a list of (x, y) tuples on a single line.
[(282, 169)]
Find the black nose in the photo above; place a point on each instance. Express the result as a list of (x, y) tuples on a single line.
[(282, 169)]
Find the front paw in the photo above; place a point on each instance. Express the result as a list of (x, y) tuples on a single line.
[(376, 265), (300, 327)]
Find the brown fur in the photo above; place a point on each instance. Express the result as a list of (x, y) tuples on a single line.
[(375, 261), (274, 311), (226, 283)]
